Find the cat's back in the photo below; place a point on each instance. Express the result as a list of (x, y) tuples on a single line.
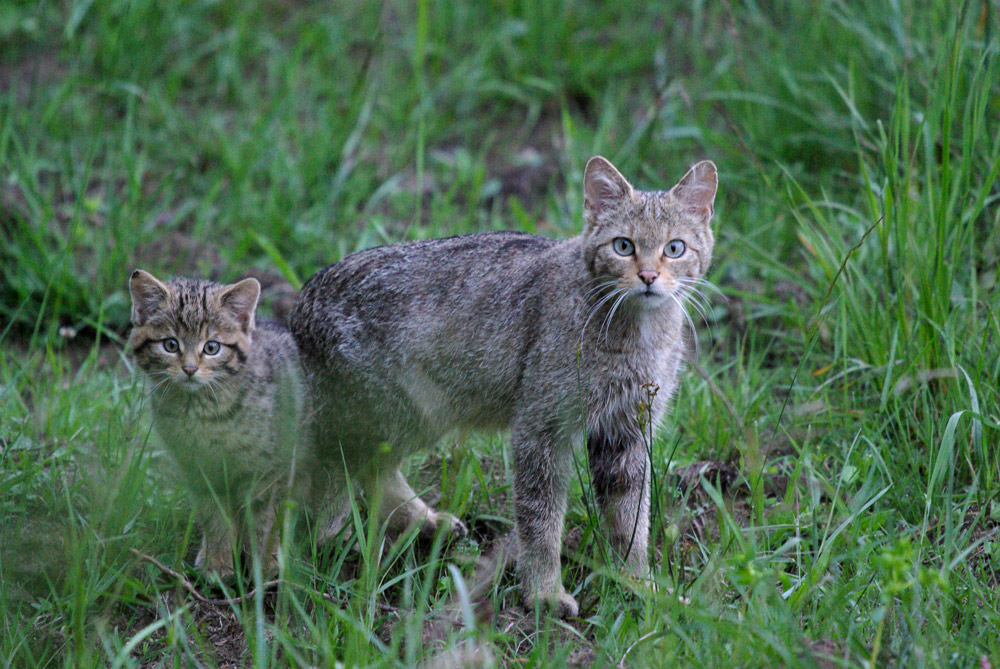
[(403, 265), (381, 286)]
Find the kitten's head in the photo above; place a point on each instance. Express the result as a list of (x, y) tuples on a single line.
[(188, 333), (648, 244)]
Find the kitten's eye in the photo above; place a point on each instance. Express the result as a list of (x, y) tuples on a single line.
[(170, 345), (623, 246), (674, 248), (211, 347)]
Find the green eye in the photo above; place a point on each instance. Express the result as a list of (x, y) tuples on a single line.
[(623, 246), (674, 248), (211, 347), (170, 345)]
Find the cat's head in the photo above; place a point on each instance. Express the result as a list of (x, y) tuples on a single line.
[(648, 244), (190, 334)]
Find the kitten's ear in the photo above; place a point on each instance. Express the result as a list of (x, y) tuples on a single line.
[(240, 299), (696, 191), (603, 185), (148, 293)]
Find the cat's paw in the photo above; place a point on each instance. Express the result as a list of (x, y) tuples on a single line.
[(559, 604), (642, 585), (450, 524)]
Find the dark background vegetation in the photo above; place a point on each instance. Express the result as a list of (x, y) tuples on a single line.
[(826, 486)]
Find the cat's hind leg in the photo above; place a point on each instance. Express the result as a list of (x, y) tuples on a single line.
[(402, 508), (330, 503)]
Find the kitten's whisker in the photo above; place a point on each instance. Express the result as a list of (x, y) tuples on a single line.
[(162, 382), (211, 386)]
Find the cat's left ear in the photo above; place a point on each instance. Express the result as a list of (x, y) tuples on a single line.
[(696, 191), (603, 187), (240, 299)]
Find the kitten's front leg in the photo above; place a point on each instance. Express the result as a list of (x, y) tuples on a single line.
[(263, 522), (620, 470), (541, 476), (215, 557)]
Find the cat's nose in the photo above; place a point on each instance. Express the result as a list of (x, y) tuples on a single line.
[(189, 369), (648, 276)]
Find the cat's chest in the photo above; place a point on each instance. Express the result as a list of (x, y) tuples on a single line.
[(627, 382)]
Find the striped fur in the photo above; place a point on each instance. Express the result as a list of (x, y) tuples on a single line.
[(232, 420), (547, 338)]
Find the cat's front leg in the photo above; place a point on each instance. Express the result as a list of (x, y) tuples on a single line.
[(620, 470), (541, 475)]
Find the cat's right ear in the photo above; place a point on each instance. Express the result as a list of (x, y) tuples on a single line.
[(148, 293), (603, 186), (696, 190)]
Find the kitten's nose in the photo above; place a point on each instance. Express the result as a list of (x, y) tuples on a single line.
[(189, 369), (648, 276)]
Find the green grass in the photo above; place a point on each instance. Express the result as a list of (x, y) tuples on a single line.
[(851, 365)]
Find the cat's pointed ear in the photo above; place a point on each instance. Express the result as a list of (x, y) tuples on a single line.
[(148, 293), (603, 186), (240, 299), (696, 191)]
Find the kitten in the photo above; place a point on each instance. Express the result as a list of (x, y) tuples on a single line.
[(227, 398), (551, 339)]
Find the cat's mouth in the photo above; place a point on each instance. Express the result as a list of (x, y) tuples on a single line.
[(649, 298)]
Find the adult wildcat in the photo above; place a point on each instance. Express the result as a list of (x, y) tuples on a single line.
[(405, 342), (228, 401)]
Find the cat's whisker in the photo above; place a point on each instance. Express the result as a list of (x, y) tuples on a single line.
[(690, 321), (607, 316), (689, 301), (696, 294), (690, 287), (690, 281), (691, 295), (600, 287), (596, 307), (595, 279), (611, 315)]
